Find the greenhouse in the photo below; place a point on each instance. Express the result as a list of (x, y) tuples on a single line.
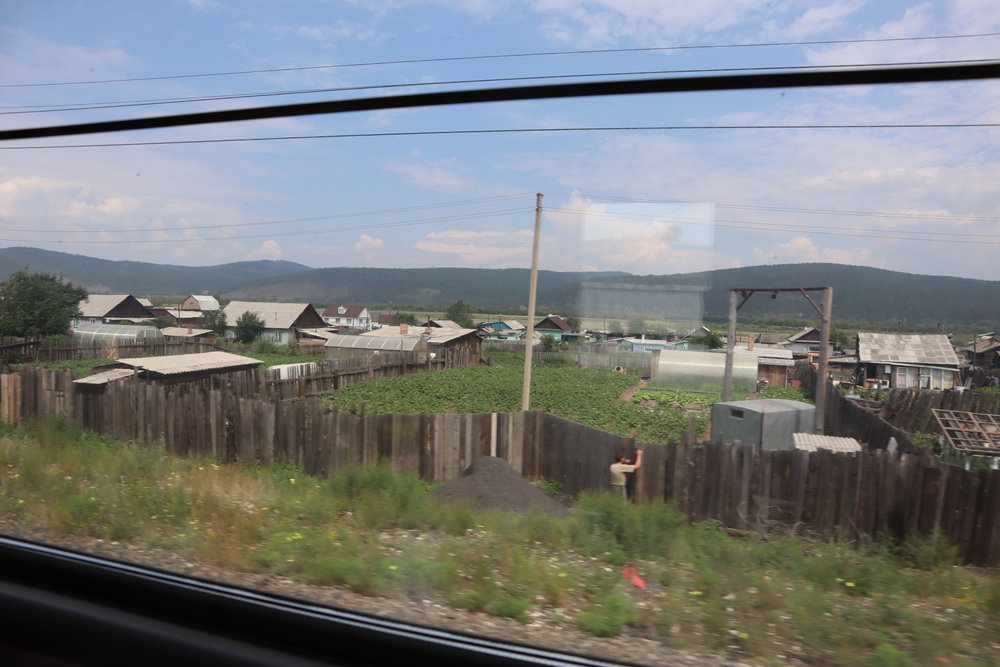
[(701, 371), (114, 335)]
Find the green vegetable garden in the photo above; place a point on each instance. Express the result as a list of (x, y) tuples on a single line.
[(586, 396)]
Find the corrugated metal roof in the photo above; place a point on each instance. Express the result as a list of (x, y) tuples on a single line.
[(184, 332), (182, 314), (274, 315), (810, 442), (190, 363), (764, 351), (206, 302), (323, 333), (98, 305), (349, 310), (436, 336), (805, 331), (444, 324), (934, 349), (145, 302), (106, 376), (774, 361), (402, 343)]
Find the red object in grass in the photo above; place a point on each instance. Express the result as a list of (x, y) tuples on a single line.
[(631, 575)]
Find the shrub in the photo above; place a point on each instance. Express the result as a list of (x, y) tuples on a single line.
[(510, 607), (607, 615), (929, 552)]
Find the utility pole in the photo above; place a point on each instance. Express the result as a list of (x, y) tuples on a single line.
[(529, 334), (727, 379), (825, 312)]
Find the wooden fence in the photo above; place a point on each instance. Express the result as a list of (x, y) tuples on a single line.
[(333, 374), (874, 493), (910, 409)]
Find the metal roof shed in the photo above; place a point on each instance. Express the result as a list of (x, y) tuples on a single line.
[(768, 422), (181, 367)]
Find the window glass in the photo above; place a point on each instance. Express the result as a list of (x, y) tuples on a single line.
[(347, 469)]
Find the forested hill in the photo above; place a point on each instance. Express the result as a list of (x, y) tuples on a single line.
[(483, 288), (101, 276), (859, 293)]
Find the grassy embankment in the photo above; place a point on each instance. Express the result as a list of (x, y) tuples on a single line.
[(382, 534)]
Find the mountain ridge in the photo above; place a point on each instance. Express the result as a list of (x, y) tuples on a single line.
[(860, 293)]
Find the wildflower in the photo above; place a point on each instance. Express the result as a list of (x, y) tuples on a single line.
[(849, 584), (393, 567), (292, 480), (694, 592)]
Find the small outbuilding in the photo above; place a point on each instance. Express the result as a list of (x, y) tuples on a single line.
[(173, 369), (768, 422)]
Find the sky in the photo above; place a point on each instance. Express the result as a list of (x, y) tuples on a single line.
[(645, 201)]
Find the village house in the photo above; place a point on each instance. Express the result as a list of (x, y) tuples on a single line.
[(352, 317), (201, 302), (281, 320), (442, 324), (556, 327), (502, 329), (807, 342), (984, 352), (110, 308), (915, 361), (454, 346)]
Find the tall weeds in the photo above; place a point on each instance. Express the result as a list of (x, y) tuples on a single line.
[(380, 532)]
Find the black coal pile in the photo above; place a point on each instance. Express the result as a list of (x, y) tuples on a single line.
[(490, 483)]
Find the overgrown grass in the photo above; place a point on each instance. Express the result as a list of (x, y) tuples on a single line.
[(380, 532)]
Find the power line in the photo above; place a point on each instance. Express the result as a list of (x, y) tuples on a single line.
[(90, 106), (281, 221), (501, 56), (782, 209), (882, 76), (306, 232), (518, 130)]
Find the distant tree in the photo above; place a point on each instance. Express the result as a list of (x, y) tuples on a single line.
[(37, 304), (573, 322), (460, 313), (841, 339), (549, 343), (711, 340), (214, 320), (249, 326), (404, 318), (615, 328), (636, 325), (163, 321)]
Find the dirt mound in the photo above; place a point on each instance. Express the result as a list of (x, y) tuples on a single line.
[(490, 483)]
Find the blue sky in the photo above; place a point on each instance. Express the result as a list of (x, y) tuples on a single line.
[(642, 201)]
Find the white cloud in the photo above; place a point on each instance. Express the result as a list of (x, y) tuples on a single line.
[(802, 250), (368, 246), (823, 18), (476, 253), (267, 250)]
